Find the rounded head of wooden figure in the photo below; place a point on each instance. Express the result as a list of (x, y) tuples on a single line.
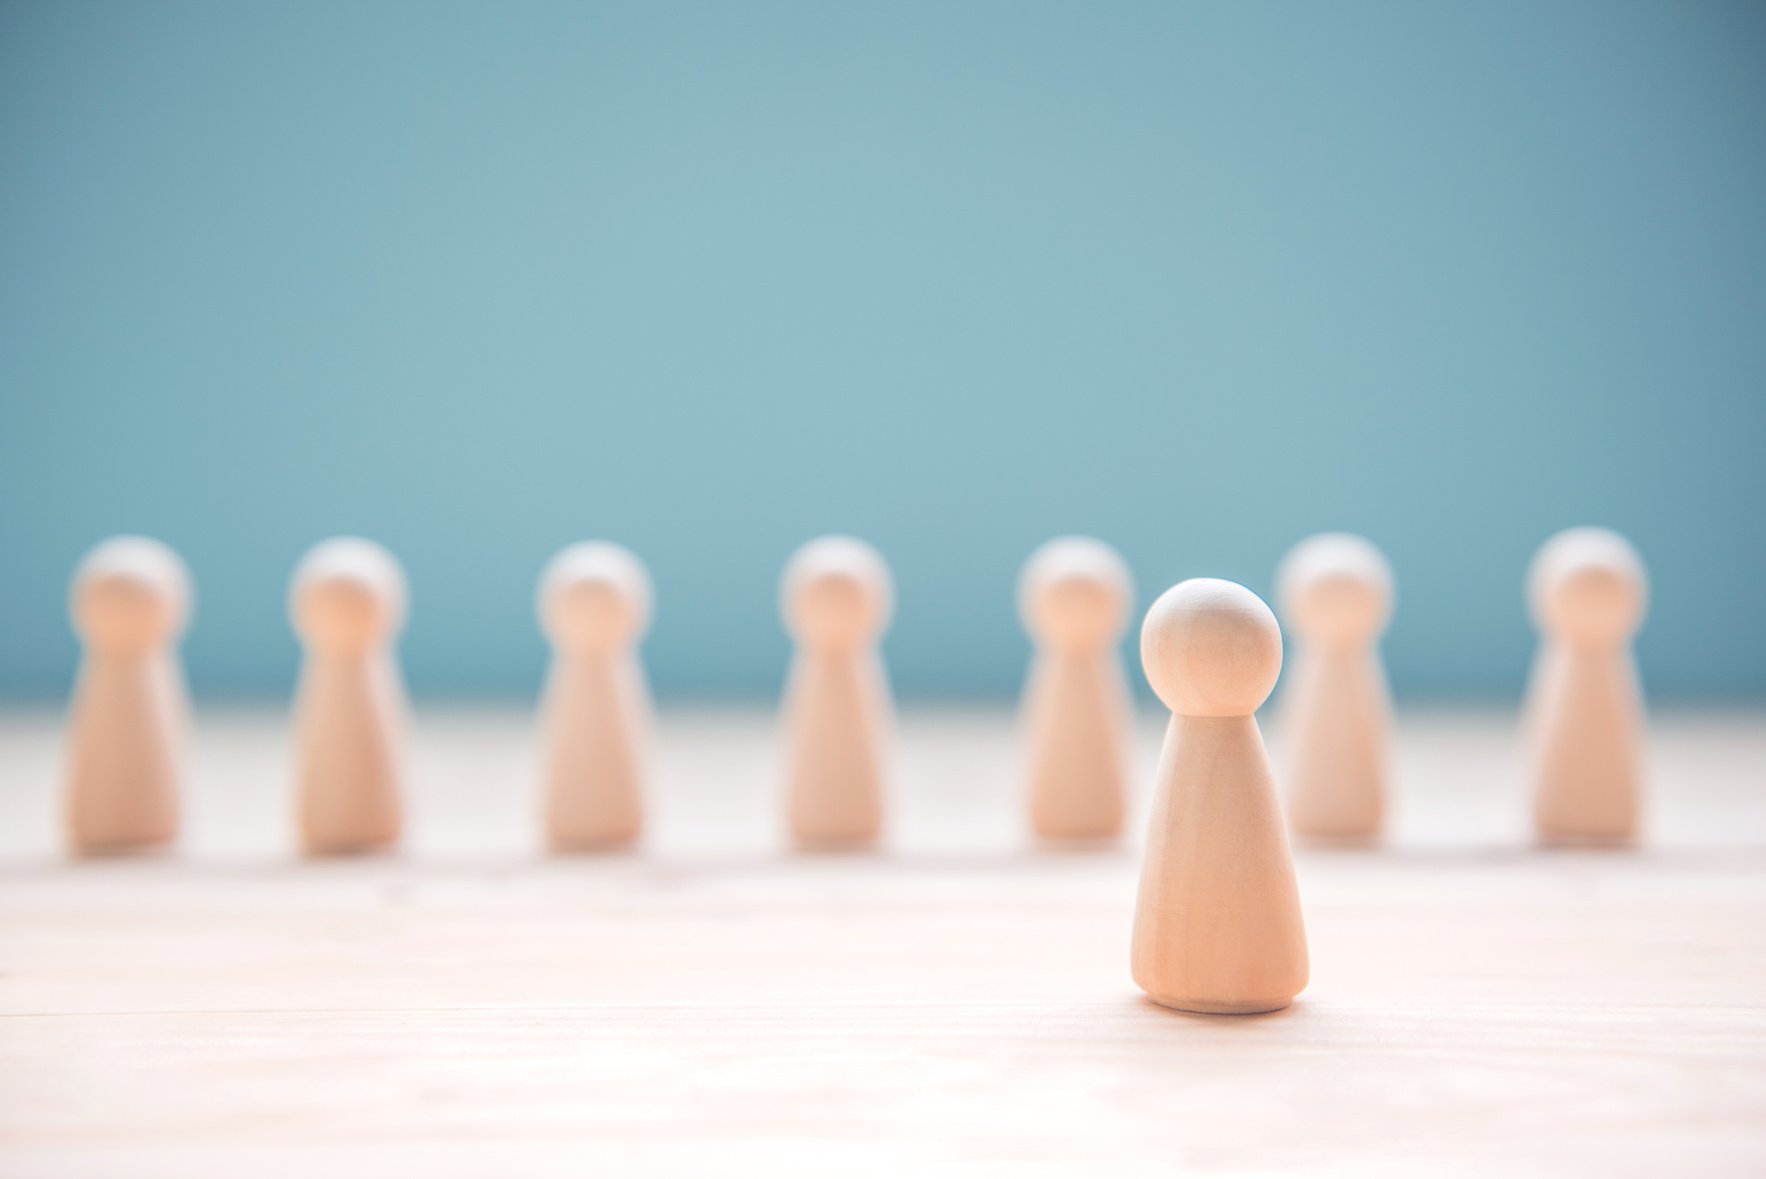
[(836, 593), (1588, 588), (130, 594), (1075, 594), (348, 596), (595, 597), (1211, 648), (1336, 590)]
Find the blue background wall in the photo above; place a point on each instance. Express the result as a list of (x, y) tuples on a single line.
[(480, 279)]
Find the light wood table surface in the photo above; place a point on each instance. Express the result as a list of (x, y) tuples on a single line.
[(959, 1003)]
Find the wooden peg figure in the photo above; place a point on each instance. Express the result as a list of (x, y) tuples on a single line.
[(128, 720), (1217, 927), (1336, 594), (836, 600), (1585, 714), (1074, 597), (594, 606), (348, 604)]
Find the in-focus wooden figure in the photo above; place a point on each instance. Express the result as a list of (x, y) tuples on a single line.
[(1584, 716), (594, 606), (836, 599), (128, 720), (1074, 597), (1217, 927), (348, 605), (1336, 595)]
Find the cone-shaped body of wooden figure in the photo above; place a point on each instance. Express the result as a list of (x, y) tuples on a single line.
[(594, 606), (1074, 597), (348, 604), (1217, 927), (128, 720), (836, 599), (1336, 594), (1584, 717)]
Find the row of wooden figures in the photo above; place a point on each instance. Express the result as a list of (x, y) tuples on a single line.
[(131, 600), (1218, 924)]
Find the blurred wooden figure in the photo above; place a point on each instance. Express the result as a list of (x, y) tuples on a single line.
[(1217, 927), (836, 600), (1336, 594), (347, 605), (1074, 597), (1584, 715), (594, 606), (128, 720)]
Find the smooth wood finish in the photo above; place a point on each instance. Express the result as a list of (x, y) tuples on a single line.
[(715, 1004), (836, 599), (129, 717), (1336, 712), (1584, 716), (1217, 927), (1074, 597), (595, 719), (347, 605)]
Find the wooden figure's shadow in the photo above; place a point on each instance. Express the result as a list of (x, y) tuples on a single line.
[(1294, 1010)]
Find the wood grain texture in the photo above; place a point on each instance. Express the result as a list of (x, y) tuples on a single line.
[(957, 1003)]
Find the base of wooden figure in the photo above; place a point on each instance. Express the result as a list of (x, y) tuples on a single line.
[(1209, 1007), (129, 849)]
